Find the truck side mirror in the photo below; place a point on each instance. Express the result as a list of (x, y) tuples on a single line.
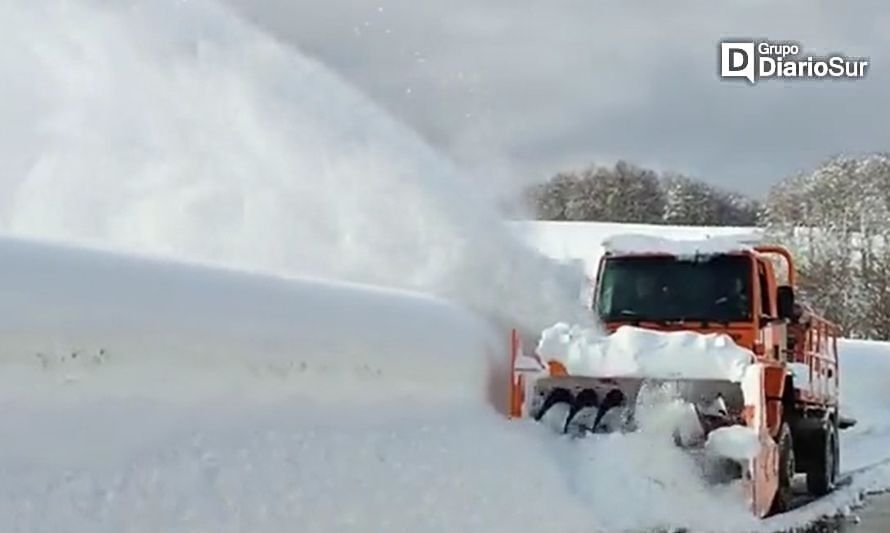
[(785, 302)]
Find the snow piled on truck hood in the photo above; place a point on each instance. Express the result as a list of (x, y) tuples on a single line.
[(638, 352)]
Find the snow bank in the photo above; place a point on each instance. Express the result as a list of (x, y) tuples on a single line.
[(865, 396), (640, 352), (128, 323)]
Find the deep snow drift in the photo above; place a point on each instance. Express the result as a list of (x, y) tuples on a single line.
[(136, 325)]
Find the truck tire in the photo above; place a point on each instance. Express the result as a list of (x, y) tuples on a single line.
[(784, 494), (823, 472)]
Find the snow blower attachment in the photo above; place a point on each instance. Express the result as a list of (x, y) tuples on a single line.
[(608, 405), (706, 325)]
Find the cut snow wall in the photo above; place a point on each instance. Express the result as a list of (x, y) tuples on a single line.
[(78, 314)]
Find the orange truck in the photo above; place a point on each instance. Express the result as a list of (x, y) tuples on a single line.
[(736, 292)]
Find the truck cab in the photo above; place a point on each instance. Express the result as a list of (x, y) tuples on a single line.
[(734, 293), (739, 293)]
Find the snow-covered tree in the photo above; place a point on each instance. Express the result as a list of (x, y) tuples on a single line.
[(550, 200), (738, 210), (629, 193), (693, 202), (625, 193), (689, 202), (838, 219)]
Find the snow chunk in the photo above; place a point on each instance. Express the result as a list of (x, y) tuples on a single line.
[(739, 443), (639, 352), (643, 244)]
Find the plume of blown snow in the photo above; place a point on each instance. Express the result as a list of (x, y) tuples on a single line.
[(176, 129)]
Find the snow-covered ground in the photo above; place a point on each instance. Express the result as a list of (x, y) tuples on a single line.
[(208, 400), (140, 395), (144, 392)]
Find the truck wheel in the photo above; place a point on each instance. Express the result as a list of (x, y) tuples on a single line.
[(784, 495), (822, 474)]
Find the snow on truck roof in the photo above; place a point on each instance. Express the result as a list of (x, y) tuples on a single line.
[(635, 244)]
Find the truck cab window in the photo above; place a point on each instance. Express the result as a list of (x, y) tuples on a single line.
[(766, 310)]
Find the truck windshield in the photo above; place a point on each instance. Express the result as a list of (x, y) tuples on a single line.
[(711, 288)]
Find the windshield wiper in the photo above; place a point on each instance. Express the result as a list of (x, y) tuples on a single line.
[(636, 318), (704, 321)]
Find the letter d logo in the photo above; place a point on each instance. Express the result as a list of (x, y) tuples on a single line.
[(737, 60)]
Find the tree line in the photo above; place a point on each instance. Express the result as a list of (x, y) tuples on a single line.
[(628, 193), (835, 218)]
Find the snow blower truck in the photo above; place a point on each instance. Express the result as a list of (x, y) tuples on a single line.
[(785, 399)]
